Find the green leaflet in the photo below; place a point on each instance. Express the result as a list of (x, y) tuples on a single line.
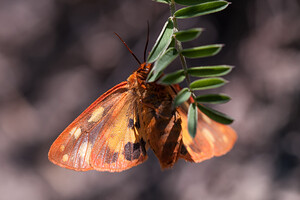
[(207, 83), (172, 43), (213, 98), (162, 63), (202, 51), (215, 115), (192, 2), (208, 71), (192, 119), (162, 42), (173, 78), (181, 97), (188, 35), (201, 9), (162, 1)]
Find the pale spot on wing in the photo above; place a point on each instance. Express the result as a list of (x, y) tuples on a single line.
[(225, 139), (85, 151), (96, 115), (76, 132), (88, 153), (208, 135), (206, 119), (62, 148), (65, 158), (82, 149)]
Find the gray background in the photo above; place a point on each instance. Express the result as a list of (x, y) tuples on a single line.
[(57, 56)]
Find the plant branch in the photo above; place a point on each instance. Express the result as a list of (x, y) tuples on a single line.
[(179, 48)]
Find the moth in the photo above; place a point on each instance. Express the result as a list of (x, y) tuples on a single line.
[(115, 132)]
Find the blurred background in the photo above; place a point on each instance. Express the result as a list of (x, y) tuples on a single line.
[(58, 56)]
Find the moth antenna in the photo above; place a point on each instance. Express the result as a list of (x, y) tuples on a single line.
[(128, 49), (146, 45)]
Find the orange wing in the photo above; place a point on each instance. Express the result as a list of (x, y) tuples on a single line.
[(212, 138), (103, 137)]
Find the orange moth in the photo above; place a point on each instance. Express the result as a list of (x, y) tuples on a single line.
[(115, 132)]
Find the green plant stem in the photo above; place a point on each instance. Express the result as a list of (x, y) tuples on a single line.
[(179, 48)]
